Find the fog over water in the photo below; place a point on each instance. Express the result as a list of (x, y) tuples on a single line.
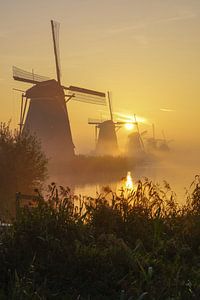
[(178, 168)]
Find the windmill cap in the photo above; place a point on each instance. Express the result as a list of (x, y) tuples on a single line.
[(107, 123), (48, 88)]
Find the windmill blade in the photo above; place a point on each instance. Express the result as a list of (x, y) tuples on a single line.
[(29, 77), (23, 111), (125, 122), (110, 106), (94, 121), (143, 132), (138, 130), (55, 26), (87, 96), (164, 141), (89, 99), (86, 91)]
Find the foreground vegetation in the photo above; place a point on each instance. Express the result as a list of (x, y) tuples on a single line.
[(23, 166), (139, 245)]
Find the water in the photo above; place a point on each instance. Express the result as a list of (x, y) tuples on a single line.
[(178, 169), (179, 172)]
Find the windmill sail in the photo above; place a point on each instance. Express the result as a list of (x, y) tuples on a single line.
[(80, 94), (94, 121), (86, 91), (87, 96), (55, 26), (29, 77)]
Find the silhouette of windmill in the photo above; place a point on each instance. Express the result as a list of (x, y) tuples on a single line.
[(164, 143), (46, 116), (105, 133), (135, 147), (152, 142), (155, 144)]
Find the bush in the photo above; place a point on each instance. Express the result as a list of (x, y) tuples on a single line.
[(23, 166)]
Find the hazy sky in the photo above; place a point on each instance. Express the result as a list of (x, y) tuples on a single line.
[(147, 52)]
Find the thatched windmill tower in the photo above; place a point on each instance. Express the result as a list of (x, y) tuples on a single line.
[(47, 114), (47, 117), (107, 139), (105, 134)]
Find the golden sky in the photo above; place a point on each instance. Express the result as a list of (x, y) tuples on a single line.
[(147, 52)]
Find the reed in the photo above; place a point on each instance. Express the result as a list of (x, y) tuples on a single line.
[(144, 246)]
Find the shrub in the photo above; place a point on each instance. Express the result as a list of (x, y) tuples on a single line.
[(23, 166)]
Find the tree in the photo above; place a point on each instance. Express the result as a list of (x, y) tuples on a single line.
[(23, 166)]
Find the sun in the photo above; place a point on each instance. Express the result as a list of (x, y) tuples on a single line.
[(129, 126)]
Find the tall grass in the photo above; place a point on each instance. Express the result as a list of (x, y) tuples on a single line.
[(137, 246)]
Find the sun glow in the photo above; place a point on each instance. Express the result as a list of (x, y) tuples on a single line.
[(131, 118), (129, 126), (129, 182)]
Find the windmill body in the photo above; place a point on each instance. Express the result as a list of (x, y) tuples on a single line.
[(135, 148), (107, 139), (157, 145), (47, 118), (105, 134), (152, 144)]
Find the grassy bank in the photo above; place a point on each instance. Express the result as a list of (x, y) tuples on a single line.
[(141, 245)]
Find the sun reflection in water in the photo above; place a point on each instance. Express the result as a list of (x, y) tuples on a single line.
[(129, 182)]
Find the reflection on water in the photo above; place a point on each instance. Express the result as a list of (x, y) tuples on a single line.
[(124, 183), (129, 181), (179, 178), (178, 170)]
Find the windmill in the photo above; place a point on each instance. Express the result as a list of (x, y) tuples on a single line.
[(152, 142), (105, 133), (44, 106), (135, 147), (164, 143), (155, 144)]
